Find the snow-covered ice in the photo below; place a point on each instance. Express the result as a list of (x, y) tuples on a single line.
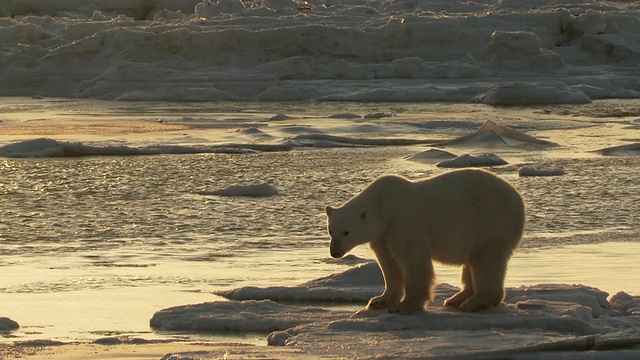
[(495, 52)]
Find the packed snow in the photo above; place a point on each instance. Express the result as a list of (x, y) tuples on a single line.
[(533, 319), (489, 51)]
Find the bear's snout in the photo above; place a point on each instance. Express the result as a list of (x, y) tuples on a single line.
[(334, 252)]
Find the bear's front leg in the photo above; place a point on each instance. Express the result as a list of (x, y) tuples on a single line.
[(419, 284), (393, 278)]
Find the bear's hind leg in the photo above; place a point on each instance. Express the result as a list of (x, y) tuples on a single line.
[(488, 272), (393, 278), (467, 289)]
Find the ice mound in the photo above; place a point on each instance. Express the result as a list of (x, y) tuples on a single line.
[(630, 149), (530, 171), (468, 160), (257, 190), (492, 134), (7, 324), (431, 156), (533, 319)]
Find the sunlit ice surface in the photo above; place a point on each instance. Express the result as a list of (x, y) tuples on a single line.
[(94, 245)]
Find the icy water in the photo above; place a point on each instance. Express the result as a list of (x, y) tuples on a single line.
[(95, 245)]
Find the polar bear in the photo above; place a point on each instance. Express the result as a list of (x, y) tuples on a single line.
[(465, 217)]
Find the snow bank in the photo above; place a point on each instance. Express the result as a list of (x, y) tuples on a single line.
[(497, 52), (257, 190), (533, 319)]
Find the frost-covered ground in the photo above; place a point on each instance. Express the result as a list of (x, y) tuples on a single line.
[(495, 52)]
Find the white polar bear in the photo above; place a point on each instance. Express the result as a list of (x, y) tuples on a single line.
[(466, 217)]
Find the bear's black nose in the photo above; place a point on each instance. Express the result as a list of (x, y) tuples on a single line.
[(334, 254)]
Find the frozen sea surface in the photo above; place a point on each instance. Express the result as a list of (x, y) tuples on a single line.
[(96, 238), (93, 244)]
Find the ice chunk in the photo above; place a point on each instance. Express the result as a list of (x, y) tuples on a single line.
[(529, 171), (257, 190), (467, 160), (626, 303), (7, 324)]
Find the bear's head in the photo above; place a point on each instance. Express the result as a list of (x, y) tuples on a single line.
[(351, 225)]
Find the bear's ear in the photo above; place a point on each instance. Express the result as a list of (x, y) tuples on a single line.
[(328, 210), (363, 215)]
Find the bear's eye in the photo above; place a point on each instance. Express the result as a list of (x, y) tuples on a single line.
[(345, 233), (364, 215)]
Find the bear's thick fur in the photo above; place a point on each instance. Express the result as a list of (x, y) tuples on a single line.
[(466, 217)]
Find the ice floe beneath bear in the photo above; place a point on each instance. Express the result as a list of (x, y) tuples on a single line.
[(314, 316)]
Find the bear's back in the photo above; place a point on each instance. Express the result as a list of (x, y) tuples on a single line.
[(481, 200)]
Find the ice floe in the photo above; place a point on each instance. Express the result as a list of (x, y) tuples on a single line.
[(533, 319)]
